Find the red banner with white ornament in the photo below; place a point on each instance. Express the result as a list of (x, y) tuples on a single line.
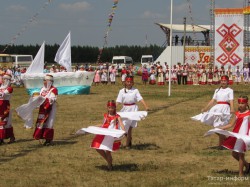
[(229, 30)]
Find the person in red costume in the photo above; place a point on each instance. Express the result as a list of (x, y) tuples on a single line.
[(6, 129), (47, 111), (241, 123), (104, 145)]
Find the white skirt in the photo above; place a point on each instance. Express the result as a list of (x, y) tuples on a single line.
[(127, 122), (219, 115)]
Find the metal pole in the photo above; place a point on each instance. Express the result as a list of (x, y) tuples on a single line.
[(184, 39), (170, 64)]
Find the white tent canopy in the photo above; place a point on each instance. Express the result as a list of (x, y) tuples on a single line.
[(189, 28)]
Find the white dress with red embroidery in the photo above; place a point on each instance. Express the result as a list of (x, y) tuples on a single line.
[(160, 76), (129, 98), (46, 116), (219, 114), (174, 74), (242, 126), (203, 77), (107, 143), (6, 129)]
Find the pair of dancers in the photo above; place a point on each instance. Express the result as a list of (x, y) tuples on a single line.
[(219, 115), (45, 100), (116, 125)]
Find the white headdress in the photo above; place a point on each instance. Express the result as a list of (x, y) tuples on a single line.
[(48, 77), (49, 80)]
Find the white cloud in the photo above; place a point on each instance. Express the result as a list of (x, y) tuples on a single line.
[(16, 8), (149, 14), (78, 6)]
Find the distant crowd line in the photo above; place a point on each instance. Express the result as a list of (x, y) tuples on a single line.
[(195, 74), (187, 74)]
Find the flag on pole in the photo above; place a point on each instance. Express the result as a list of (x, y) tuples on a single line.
[(37, 64), (63, 55)]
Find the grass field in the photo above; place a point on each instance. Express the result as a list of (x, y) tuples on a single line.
[(168, 147)]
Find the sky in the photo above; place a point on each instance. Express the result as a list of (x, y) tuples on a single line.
[(34, 21)]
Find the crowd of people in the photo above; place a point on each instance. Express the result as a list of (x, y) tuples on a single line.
[(186, 74), (198, 74)]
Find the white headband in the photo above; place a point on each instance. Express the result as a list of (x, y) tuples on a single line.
[(48, 77)]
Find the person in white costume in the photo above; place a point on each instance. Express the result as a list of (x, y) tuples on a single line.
[(129, 96), (219, 114)]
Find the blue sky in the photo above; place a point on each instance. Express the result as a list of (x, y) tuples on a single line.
[(87, 20)]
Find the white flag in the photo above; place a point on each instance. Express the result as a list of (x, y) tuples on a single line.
[(37, 64), (63, 55)]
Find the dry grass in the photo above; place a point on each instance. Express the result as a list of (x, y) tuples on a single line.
[(168, 148)]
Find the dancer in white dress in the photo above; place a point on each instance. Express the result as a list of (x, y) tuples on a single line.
[(129, 96), (219, 114)]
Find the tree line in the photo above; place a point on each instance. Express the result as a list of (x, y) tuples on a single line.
[(88, 54)]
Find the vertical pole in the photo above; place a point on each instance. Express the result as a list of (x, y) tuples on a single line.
[(170, 64), (212, 31), (184, 39)]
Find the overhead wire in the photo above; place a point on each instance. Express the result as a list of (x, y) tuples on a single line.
[(26, 25)]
